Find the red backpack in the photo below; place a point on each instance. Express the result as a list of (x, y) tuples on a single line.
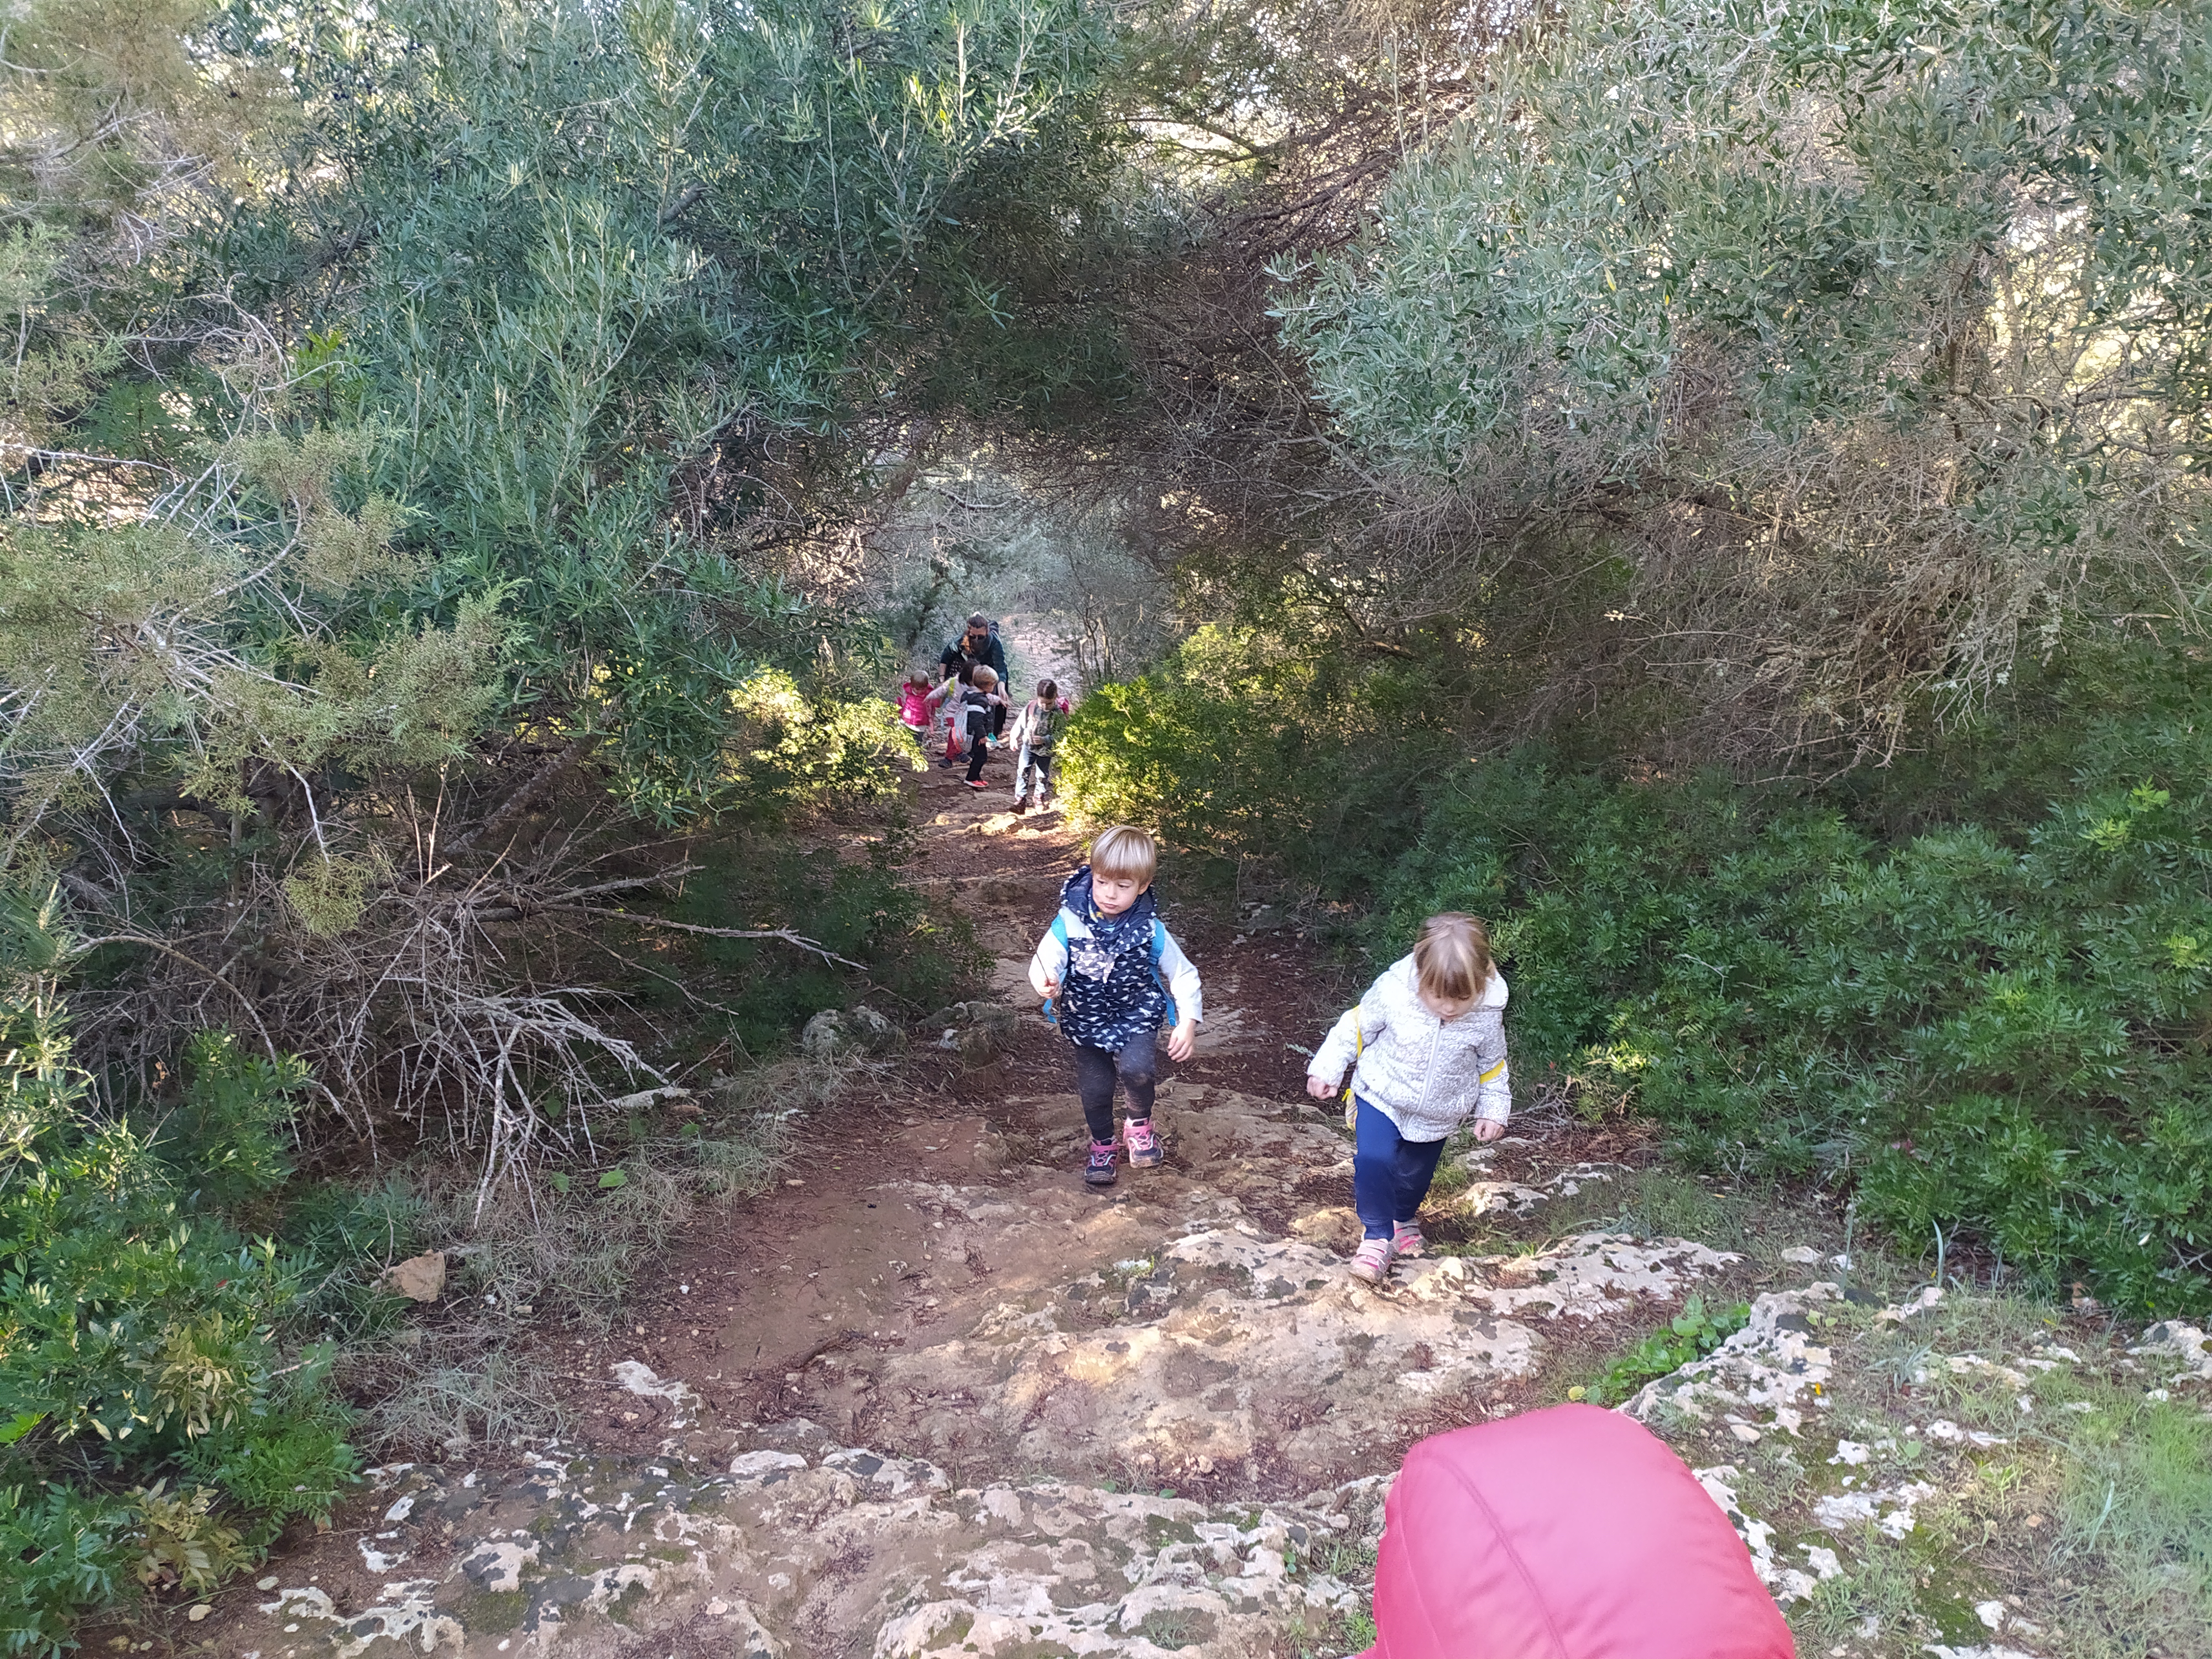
[(1571, 1533)]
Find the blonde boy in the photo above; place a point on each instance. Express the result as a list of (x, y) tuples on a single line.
[(1427, 1046), (1112, 977)]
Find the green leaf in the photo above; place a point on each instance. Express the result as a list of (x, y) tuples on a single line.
[(561, 1181), (613, 1178), (24, 1423)]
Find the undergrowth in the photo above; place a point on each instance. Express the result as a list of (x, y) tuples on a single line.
[(161, 1416), (1690, 1335), (196, 1336), (1977, 994)]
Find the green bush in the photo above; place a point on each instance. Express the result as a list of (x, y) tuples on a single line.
[(1239, 745), (150, 1428), (1994, 1028), (65, 1550), (921, 954), (1976, 988)]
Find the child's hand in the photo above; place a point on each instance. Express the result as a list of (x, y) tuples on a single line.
[(1488, 1128), (1051, 986), (1319, 1087), (1183, 1040)]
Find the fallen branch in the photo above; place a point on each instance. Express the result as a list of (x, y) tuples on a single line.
[(166, 949), (784, 934)]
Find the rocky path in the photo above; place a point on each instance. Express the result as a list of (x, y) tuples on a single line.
[(934, 1397)]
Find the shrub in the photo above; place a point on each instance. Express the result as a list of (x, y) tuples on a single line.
[(150, 1427), (1996, 1028), (1242, 745)]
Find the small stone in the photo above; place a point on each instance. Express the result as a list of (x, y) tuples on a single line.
[(197, 1611), (419, 1278), (1745, 1432), (1802, 1255), (270, 1582)]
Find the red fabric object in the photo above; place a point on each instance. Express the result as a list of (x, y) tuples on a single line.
[(1566, 1534)]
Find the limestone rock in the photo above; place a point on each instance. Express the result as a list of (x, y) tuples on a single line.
[(829, 1548), (419, 1278), (978, 1031), (856, 1031), (2181, 1346)]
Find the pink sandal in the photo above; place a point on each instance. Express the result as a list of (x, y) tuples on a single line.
[(1371, 1261), (1408, 1242)]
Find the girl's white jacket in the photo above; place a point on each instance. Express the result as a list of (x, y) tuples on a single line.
[(1426, 1075)]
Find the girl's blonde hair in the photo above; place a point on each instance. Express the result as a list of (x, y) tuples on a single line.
[(920, 677), (1125, 852), (983, 675), (1451, 959)]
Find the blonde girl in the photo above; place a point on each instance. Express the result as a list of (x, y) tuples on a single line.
[(1426, 1046)]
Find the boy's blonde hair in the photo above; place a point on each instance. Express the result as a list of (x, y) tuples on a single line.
[(983, 675), (1451, 959), (1125, 852)]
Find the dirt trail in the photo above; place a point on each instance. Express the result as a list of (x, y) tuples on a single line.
[(933, 1397)]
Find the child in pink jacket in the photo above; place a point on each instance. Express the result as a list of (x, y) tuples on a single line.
[(914, 702)]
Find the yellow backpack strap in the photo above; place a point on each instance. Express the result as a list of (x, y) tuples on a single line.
[(1358, 1048)]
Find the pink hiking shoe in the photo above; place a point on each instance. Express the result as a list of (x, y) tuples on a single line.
[(1099, 1172), (1371, 1261), (1407, 1241), (1144, 1144)]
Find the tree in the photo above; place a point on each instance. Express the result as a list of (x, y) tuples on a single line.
[(1850, 347)]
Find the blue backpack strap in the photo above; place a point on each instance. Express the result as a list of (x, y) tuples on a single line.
[(1159, 950), (1059, 932)]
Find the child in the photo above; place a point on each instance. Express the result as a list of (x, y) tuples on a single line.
[(980, 708), (1427, 1044), (946, 701), (913, 702), (1032, 737), (1109, 948)]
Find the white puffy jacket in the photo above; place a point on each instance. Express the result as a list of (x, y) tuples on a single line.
[(1426, 1075)]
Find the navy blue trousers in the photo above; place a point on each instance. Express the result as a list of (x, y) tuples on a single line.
[(1390, 1175)]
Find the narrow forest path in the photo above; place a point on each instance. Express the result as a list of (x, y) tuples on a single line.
[(933, 1397)]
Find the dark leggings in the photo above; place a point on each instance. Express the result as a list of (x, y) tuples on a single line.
[(1390, 1175), (1097, 1071), (976, 754)]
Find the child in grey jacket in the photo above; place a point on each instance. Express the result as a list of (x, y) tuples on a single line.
[(1427, 1046)]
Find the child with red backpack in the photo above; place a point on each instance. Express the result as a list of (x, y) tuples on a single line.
[(1113, 978)]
